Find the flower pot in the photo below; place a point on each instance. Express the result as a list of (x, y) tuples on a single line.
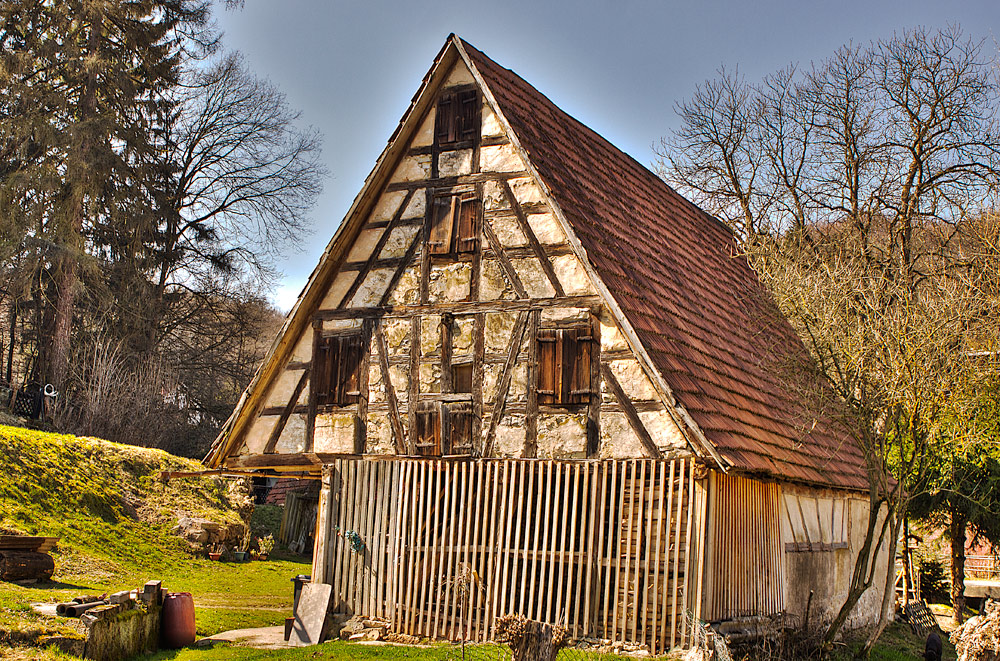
[(212, 555), (262, 556), (240, 556)]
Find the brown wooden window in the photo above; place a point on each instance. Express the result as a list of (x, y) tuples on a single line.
[(455, 223), (564, 356), (337, 363), (461, 378), (443, 428), (458, 117)]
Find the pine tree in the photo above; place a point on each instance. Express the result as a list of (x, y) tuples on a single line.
[(87, 81)]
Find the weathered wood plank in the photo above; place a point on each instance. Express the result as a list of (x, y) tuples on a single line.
[(505, 263), (449, 182), (533, 243), (379, 245), (531, 411), (458, 308), (500, 401), (398, 435)]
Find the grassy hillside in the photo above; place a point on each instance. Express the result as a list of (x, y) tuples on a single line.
[(104, 499), (114, 517)]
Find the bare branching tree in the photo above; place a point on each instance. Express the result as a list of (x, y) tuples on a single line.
[(858, 188)]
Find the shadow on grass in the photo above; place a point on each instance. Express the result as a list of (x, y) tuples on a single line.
[(58, 585)]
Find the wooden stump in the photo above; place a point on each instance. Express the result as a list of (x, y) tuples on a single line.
[(530, 640), (538, 643), (22, 565)]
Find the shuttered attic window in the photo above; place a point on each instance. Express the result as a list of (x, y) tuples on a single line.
[(338, 369), (458, 117), (455, 224), (564, 356)]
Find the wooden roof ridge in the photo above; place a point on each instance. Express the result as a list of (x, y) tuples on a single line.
[(690, 302)]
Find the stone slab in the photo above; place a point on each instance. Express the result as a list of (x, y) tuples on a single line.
[(310, 614), (980, 588)]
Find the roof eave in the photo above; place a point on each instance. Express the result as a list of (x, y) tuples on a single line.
[(252, 399)]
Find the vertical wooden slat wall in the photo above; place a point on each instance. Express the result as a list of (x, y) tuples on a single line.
[(748, 575), (442, 547)]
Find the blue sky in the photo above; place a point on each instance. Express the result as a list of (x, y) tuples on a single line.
[(618, 66)]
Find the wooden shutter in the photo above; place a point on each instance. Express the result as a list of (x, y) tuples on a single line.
[(461, 378), (564, 365), (321, 368), (549, 366), (577, 347), (348, 369), (444, 121), (442, 223), (467, 115), (467, 236), (337, 370), (458, 420), (428, 436)]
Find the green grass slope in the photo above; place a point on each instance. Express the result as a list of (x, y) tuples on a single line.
[(104, 499), (115, 519)]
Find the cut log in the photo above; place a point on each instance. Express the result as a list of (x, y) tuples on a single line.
[(21, 565)]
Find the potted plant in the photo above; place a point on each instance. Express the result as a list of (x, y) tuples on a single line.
[(215, 551), (242, 549), (265, 545)]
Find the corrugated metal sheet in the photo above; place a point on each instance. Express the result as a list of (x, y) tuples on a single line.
[(747, 571)]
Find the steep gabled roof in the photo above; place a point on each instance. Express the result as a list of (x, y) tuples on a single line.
[(695, 304), (690, 305)]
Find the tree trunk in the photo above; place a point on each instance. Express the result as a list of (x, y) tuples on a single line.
[(907, 575), (889, 593), (537, 643), (863, 574), (958, 525), (66, 281)]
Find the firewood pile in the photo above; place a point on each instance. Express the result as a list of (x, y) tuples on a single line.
[(26, 559), (979, 638)]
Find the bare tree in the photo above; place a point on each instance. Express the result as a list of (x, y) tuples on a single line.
[(715, 157), (242, 179), (861, 173)]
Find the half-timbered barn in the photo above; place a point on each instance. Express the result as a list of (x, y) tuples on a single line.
[(526, 358)]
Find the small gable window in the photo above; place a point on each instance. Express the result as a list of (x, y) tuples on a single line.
[(458, 117), (564, 365), (337, 364), (455, 223)]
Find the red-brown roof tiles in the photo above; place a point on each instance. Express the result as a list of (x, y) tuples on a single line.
[(694, 302)]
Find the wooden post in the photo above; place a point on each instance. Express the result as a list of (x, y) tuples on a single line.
[(321, 535)]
